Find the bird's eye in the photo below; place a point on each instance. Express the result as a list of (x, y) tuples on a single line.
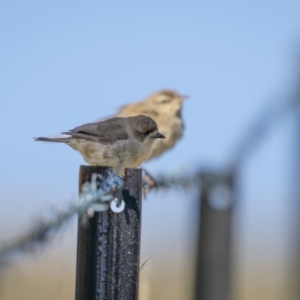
[(146, 133), (165, 101)]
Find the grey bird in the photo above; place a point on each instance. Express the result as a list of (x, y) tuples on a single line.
[(116, 142), (164, 107)]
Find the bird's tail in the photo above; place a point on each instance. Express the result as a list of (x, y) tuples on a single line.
[(54, 139)]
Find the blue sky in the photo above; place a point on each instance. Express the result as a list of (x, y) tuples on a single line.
[(64, 64)]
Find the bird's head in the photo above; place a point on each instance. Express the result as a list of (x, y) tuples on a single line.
[(167, 102), (144, 129)]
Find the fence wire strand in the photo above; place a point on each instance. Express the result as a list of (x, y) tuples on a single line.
[(274, 113)]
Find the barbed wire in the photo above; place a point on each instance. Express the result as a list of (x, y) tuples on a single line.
[(44, 230), (99, 190)]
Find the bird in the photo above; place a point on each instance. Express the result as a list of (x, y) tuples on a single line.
[(164, 107), (118, 142)]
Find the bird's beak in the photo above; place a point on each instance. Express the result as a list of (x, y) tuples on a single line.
[(184, 97), (158, 135)]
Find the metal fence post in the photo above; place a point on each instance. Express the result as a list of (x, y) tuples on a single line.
[(124, 241), (109, 244), (214, 240)]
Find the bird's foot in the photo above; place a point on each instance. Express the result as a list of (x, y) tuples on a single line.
[(148, 183)]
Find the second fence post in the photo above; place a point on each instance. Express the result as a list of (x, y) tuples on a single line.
[(214, 241), (108, 248)]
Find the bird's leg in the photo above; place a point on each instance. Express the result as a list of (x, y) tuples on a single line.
[(120, 191), (118, 169)]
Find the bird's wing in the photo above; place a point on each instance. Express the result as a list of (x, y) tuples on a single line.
[(106, 132)]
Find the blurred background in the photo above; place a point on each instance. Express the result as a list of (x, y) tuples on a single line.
[(66, 63)]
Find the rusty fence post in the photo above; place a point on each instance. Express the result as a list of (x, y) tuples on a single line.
[(108, 246), (214, 240)]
